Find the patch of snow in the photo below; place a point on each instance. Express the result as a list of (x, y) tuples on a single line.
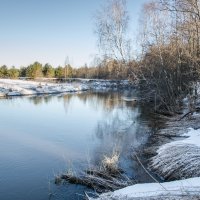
[(13, 93), (180, 158), (193, 138), (174, 188)]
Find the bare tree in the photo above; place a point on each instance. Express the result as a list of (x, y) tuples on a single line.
[(66, 66), (111, 28), (171, 49)]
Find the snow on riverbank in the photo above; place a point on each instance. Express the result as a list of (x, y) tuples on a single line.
[(10, 87), (180, 158), (169, 190)]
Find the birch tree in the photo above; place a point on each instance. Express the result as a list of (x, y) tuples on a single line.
[(111, 29)]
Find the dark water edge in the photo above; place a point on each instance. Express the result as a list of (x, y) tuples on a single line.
[(43, 136)]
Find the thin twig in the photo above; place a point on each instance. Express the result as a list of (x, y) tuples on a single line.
[(149, 173)]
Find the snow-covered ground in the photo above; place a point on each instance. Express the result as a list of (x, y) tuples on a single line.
[(169, 190), (180, 158), (176, 157), (10, 87)]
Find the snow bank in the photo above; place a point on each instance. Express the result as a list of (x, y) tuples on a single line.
[(193, 137), (187, 187), (10, 87), (179, 159)]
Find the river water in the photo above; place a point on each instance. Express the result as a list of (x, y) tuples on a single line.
[(43, 136)]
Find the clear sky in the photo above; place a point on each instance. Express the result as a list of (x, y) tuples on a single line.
[(49, 30)]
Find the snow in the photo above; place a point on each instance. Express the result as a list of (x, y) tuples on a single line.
[(192, 137), (180, 156), (10, 87), (174, 188), (179, 159)]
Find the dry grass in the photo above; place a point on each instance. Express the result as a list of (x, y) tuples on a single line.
[(177, 161), (111, 164), (104, 178)]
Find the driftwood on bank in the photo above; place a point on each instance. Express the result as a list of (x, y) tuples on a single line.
[(99, 180)]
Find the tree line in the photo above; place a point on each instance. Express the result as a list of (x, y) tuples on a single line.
[(107, 69)]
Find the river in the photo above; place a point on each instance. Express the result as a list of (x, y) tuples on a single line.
[(43, 136)]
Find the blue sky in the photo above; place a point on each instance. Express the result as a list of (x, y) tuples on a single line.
[(49, 30)]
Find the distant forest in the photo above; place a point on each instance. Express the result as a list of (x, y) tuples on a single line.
[(108, 69)]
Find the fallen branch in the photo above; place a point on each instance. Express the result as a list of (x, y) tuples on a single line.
[(185, 115), (148, 172)]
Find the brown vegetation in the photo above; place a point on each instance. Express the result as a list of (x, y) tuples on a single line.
[(169, 67), (106, 177)]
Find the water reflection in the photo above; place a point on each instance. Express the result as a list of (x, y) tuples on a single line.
[(82, 127), (107, 101), (123, 123)]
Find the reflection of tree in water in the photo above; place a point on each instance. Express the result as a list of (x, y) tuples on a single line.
[(37, 100), (67, 98), (119, 130), (106, 100), (120, 127)]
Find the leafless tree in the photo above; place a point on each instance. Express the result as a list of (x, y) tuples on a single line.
[(170, 49), (111, 28)]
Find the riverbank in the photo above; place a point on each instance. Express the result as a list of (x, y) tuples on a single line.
[(174, 155), (179, 159), (9, 87), (186, 189)]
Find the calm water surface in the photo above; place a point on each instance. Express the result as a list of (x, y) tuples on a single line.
[(43, 136)]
